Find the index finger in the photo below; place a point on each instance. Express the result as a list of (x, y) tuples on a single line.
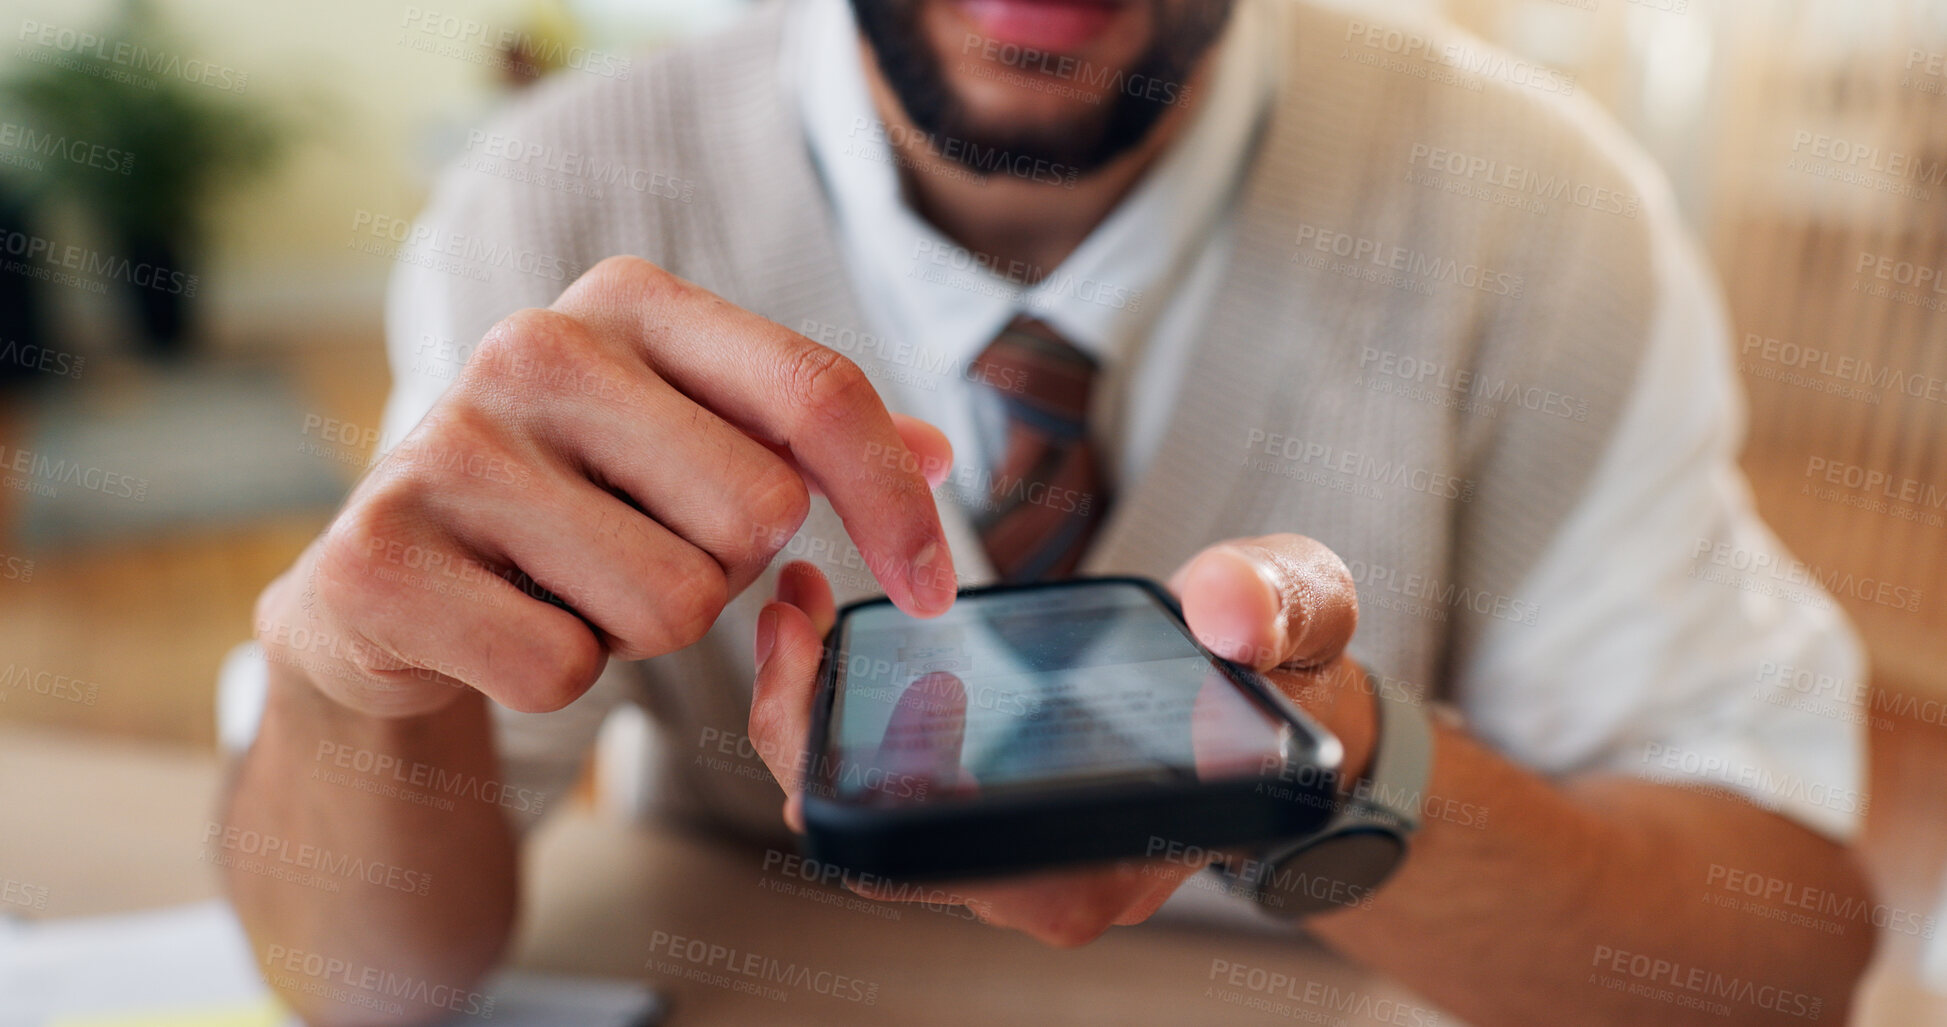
[(786, 390)]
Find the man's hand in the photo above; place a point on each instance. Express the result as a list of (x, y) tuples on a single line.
[(602, 478), (1283, 604)]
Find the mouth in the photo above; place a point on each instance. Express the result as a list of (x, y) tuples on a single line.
[(1058, 26)]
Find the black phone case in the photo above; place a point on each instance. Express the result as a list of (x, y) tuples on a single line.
[(986, 836)]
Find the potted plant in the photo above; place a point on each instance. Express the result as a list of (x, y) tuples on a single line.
[(142, 147)]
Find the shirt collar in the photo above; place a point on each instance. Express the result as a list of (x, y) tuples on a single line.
[(923, 288)]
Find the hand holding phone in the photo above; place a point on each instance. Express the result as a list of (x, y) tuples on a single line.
[(1276, 602), (1040, 725)]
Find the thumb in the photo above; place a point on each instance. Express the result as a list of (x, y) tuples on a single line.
[(1272, 601)]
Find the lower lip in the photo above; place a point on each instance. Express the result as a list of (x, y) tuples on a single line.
[(1056, 25)]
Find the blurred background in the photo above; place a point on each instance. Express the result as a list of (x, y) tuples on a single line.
[(191, 366)]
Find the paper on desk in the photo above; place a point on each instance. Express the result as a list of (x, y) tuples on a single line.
[(191, 966)]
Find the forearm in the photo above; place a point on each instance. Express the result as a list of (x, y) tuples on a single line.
[(377, 883), (1524, 901)]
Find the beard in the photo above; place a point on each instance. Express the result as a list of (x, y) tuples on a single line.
[(917, 77)]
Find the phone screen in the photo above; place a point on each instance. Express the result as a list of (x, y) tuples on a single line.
[(1038, 687)]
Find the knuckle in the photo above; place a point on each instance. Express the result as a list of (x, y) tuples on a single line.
[(1332, 582), (1321, 558), (778, 506), (524, 342), (769, 730), (366, 528), (626, 270), (693, 597), (625, 280), (825, 383), (367, 660), (453, 430), (463, 449), (571, 660), (619, 267)]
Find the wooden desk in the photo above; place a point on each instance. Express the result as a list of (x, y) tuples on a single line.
[(600, 907), (109, 825)]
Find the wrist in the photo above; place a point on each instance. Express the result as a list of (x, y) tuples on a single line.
[(293, 697)]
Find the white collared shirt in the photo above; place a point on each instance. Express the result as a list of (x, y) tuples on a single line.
[(1129, 293), (1686, 687)]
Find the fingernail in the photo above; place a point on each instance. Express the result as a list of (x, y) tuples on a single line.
[(935, 469), (766, 635), (1281, 640), (933, 584), (1244, 619)]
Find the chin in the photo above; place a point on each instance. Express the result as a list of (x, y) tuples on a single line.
[(1070, 82), (1036, 67)]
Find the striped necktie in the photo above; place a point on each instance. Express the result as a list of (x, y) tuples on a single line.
[(1046, 493)]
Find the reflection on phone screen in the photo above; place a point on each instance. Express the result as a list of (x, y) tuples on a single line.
[(1089, 682)]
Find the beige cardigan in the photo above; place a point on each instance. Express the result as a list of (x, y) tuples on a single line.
[(1440, 496)]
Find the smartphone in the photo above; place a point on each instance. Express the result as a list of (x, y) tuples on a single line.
[(1048, 724)]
